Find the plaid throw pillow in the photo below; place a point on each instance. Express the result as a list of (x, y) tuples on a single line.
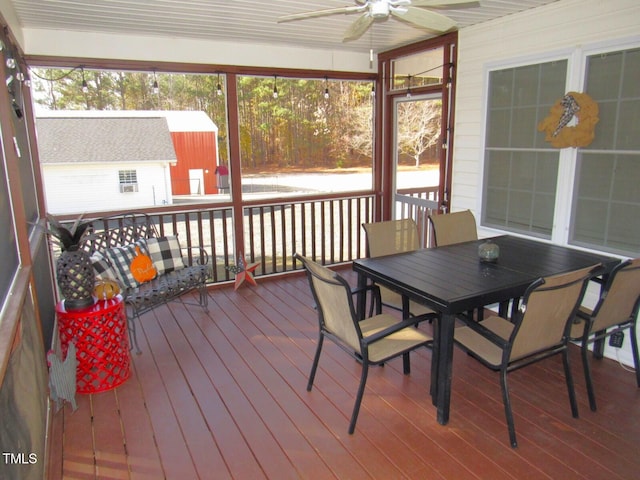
[(120, 259), (102, 267), (165, 253)]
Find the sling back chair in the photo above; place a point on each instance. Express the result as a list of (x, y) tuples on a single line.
[(372, 341), (539, 329), (450, 228), (457, 227), (615, 311), (389, 237)]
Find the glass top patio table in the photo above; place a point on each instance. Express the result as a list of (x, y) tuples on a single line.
[(452, 280)]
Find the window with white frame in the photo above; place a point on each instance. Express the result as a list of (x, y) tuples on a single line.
[(128, 181), (521, 170), (598, 205), (606, 205)]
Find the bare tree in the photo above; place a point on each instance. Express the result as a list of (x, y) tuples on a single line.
[(419, 125)]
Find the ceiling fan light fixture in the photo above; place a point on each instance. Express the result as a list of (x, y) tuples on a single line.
[(379, 9)]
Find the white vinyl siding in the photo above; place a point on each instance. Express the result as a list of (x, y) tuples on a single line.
[(560, 31), (545, 35), (70, 189)]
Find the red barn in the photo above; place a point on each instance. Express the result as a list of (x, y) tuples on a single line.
[(194, 138)]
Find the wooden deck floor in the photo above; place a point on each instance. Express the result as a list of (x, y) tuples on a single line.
[(223, 396)]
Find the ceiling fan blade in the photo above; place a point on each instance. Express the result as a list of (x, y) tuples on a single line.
[(426, 19), (445, 3), (320, 13), (357, 28)]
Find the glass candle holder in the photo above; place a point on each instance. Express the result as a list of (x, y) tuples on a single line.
[(488, 251)]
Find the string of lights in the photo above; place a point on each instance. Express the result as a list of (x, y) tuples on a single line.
[(155, 83)]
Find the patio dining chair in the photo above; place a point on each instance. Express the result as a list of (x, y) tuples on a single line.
[(539, 329), (450, 228), (372, 341), (615, 311), (457, 227), (389, 237)]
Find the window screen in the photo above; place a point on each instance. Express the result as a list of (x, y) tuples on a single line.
[(521, 170), (606, 206)]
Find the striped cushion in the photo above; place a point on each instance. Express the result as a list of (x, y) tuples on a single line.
[(165, 253)]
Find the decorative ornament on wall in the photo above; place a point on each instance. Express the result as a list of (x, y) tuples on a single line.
[(558, 125)]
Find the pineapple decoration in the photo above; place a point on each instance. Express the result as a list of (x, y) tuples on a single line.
[(74, 270)]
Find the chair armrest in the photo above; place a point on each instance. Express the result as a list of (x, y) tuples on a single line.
[(200, 255), (355, 290), (487, 333), (409, 322), (375, 292)]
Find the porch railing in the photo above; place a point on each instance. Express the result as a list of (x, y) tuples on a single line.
[(328, 230), (210, 229), (418, 204)]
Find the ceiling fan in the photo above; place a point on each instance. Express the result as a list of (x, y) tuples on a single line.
[(412, 11)]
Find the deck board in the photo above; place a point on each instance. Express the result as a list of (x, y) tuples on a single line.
[(77, 444), (110, 453), (143, 458), (223, 395)]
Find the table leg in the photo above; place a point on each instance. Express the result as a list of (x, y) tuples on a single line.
[(434, 362), (598, 345), (361, 300), (444, 366)]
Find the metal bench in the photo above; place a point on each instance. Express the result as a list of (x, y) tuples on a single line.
[(119, 231)]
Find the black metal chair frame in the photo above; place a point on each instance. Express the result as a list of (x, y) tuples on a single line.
[(506, 365), (588, 337), (365, 341)]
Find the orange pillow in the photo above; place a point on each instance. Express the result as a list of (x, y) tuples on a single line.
[(142, 267)]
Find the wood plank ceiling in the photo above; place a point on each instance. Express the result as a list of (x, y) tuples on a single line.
[(245, 21)]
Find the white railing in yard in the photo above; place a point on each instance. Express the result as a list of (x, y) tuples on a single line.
[(418, 204)]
